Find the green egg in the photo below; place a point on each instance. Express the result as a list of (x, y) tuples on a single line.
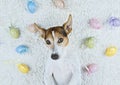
[(89, 42), (14, 32)]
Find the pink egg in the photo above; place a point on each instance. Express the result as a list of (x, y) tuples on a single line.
[(32, 29), (91, 68), (95, 23)]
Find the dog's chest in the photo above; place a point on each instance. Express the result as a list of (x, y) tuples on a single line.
[(62, 72)]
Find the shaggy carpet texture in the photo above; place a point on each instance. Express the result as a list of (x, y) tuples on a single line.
[(47, 15)]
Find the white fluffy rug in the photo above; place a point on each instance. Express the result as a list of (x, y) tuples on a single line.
[(14, 12)]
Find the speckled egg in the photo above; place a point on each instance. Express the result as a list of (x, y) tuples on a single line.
[(14, 32), (95, 23), (31, 6), (22, 49), (111, 51), (59, 3), (90, 42), (23, 68), (113, 21)]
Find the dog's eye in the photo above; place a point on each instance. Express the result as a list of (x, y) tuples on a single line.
[(48, 42), (60, 40)]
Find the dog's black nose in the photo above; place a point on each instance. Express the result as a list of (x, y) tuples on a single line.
[(55, 56)]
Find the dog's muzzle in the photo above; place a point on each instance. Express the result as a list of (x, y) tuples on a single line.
[(55, 56)]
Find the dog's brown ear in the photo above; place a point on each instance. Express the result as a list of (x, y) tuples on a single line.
[(41, 30), (68, 25)]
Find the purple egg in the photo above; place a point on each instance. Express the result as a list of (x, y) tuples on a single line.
[(113, 21)]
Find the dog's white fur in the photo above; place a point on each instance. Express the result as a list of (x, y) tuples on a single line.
[(66, 70)]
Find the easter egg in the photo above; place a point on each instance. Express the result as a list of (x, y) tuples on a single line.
[(91, 68), (113, 21), (31, 6), (22, 49), (89, 42), (111, 51), (59, 3), (14, 32), (23, 68), (32, 29), (95, 23)]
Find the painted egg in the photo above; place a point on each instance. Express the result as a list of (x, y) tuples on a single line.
[(31, 6), (32, 29), (59, 3), (111, 51), (14, 32), (22, 49), (113, 21), (91, 68), (95, 23), (89, 42), (23, 68)]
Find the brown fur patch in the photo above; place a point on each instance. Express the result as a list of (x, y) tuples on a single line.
[(59, 33)]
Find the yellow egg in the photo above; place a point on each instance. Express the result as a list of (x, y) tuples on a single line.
[(23, 68), (111, 51)]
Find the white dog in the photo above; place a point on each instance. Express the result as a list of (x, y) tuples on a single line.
[(59, 69)]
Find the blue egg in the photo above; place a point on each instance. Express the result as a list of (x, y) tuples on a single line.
[(22, 49), (31, 6), (113, 21)]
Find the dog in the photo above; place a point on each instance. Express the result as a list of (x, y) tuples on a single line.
[(59, 70)]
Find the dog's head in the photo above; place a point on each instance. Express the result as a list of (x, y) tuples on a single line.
[(56, 38)]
